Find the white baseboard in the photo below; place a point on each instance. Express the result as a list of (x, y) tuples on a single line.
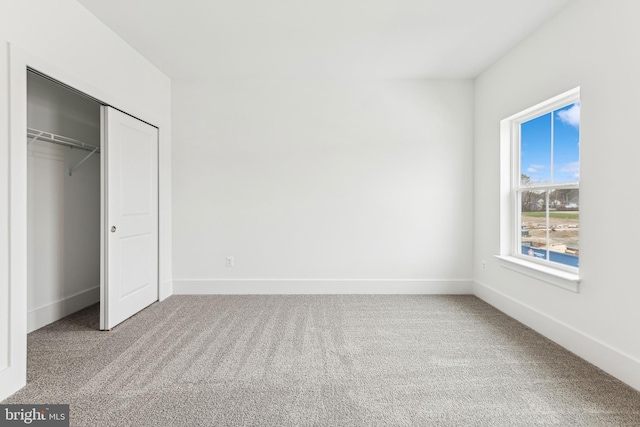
[(49, 313), (611, 360), (320, 286)]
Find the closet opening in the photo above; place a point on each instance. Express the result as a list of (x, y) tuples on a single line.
[(92, 207), (63, 201)]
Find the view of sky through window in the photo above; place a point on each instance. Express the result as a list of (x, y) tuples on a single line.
[(536, 154)]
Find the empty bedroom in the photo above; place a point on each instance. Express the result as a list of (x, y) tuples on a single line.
[(319, 213)]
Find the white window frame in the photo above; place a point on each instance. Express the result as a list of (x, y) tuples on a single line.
[(555, 273)]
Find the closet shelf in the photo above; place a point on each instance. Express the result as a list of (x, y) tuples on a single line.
[(36, 134)]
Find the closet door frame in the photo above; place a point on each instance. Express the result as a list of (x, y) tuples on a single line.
[(13, 367), (13, 373)]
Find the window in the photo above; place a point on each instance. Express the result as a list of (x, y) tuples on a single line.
[(543, 177)]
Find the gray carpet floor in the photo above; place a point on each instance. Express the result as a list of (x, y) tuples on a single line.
[(355, 360)]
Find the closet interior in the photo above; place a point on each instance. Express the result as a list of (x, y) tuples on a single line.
[(64, 201)]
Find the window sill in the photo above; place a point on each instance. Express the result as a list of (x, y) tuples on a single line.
[(562, 279)]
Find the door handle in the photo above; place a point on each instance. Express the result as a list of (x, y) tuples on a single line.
[(113, 228)]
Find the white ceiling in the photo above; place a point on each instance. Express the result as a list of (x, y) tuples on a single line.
[(374, 39)]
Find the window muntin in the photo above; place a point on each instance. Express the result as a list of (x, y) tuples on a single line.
[(546, 144)]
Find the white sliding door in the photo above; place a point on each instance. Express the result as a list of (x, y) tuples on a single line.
[(130, 276)]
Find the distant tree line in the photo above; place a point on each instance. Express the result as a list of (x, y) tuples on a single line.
[(563, 199)]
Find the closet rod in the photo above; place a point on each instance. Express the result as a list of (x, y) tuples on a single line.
[(36, 134)]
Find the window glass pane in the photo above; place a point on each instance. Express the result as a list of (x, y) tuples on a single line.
[(535, 150), (566, 144), (564, 228), (533, 217), (549, 159)]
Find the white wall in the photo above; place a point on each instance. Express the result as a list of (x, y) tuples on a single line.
[(589, 45), (64, 211), (5, 300), (63, 40), (322, 186)]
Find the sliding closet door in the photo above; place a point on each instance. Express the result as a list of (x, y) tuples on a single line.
[(130, 279)]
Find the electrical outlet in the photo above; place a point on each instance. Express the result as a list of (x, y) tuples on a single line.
[(484, 265), (231, 261)]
